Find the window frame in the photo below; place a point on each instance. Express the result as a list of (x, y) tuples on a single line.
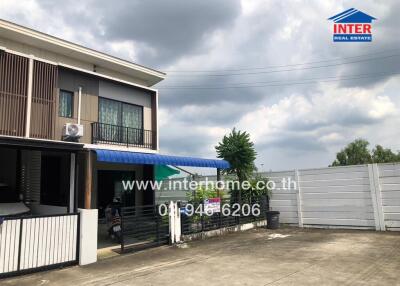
[(72, 103), (121, 109)]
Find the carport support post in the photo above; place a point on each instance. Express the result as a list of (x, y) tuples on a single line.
[(72, 183), (88, 180)]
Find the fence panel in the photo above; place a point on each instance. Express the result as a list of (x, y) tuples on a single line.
[(9, 237), (338, 196), (389, 177), (33, 243), (283, 198), (144, 226), (194, 218)]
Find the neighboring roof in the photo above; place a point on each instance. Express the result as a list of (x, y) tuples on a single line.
[(124, 157), (352, 16), (44, 41), (162, 172)]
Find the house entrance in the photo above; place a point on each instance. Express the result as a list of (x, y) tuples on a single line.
[(111, 198)]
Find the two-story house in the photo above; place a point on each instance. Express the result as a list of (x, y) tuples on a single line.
[(59, 102), (75, 123)]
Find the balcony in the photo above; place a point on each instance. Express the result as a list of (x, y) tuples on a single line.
[(123, 136)]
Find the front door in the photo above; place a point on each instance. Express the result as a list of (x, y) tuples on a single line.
[(110, 187)]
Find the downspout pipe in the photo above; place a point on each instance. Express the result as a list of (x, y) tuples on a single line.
[(79, 104)]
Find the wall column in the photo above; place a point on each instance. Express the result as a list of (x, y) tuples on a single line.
[(298, 199), (88, 179), (373, 174)]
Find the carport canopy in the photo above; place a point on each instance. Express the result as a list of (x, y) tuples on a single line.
[(124, 157)]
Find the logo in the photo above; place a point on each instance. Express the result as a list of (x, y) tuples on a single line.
[(352, 25)]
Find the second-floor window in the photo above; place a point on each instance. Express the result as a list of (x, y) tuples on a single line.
[(65, 106), (120, 114)]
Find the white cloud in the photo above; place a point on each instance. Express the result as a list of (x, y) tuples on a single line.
[(326, 116)]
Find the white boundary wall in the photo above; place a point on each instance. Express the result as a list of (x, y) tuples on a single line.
[(357, 197), (361, 197)]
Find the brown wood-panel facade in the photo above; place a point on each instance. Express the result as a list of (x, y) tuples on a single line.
[(13, 93), (47, 81), (44, 91)]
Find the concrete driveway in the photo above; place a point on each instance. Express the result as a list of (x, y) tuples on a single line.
[(289, 256)]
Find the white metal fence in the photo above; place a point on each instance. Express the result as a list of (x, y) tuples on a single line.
[(34, 243)]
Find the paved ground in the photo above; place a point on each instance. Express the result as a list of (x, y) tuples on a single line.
[(258, 257)]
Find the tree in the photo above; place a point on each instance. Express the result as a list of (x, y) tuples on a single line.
[(384, 155), (238, 150), (354, 153), (357, 152)]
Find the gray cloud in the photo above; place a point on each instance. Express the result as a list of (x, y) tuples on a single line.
[(294, 144), (173, 28)]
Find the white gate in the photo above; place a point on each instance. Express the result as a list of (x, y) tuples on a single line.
[(36, 243)]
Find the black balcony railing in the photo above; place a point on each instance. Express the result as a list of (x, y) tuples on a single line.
[(123, 136)]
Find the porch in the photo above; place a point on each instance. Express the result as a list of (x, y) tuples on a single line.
[(39, 222), (143, 225), (37, 177)]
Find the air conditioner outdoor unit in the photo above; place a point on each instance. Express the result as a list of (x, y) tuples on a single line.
[(72, 131)]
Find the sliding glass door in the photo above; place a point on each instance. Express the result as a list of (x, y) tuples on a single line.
[(121, 122)]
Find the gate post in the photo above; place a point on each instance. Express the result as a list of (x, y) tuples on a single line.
[(88, 236), (171, 215), (178, 230)]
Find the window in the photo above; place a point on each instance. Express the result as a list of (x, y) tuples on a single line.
[(66, 104), (122, 122), (120, 114)]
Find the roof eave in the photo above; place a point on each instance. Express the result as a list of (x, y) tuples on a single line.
[(151, 76)]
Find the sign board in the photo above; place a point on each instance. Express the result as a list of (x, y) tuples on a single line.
[(212, 205)]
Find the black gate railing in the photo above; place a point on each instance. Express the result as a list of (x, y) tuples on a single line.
[(34, 243), (144, 226), (123, 136), (230, 214)]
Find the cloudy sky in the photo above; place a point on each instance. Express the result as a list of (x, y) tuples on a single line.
[(266, 67)]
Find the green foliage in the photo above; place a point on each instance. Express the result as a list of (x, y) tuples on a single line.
[(202, 193), (249, 193), (357, 153), (256, 189), (197, 198), (353, 154), (384, 155), (238, 150)]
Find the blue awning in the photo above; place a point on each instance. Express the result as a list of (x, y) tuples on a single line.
[(124, 157)]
